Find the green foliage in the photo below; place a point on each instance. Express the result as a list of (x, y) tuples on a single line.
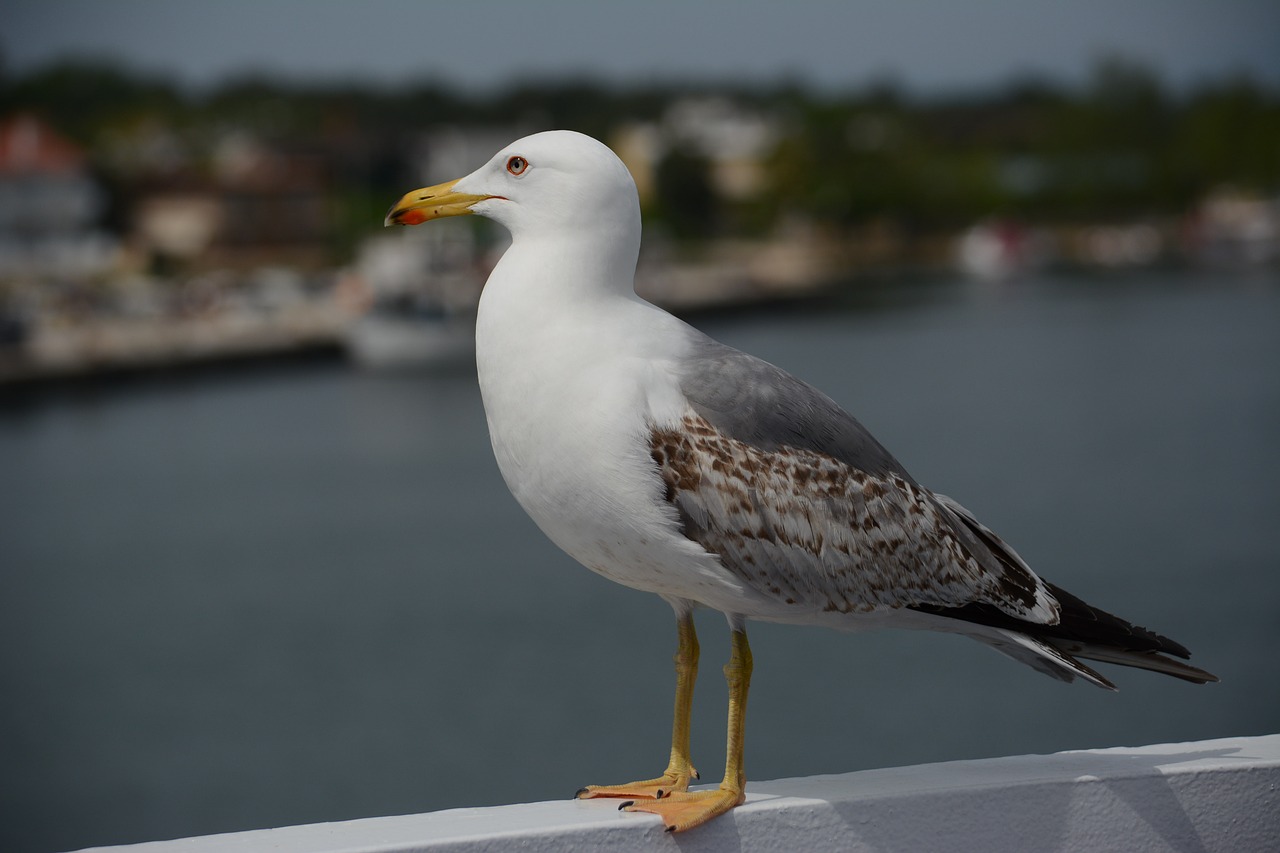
[(83, 98)]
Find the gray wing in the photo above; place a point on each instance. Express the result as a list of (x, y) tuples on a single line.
[(752, 401), (802, 503)]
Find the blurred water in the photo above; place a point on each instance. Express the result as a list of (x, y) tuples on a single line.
[(304, 594)]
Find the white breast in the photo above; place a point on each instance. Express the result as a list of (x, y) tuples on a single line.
[(570, 400)]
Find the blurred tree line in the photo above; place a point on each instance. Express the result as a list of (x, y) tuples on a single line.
[(1121, 146)]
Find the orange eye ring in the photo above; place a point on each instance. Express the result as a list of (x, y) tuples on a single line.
[(517, 165)]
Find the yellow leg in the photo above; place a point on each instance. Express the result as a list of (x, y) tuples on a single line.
[(679, 771), (681, 811)]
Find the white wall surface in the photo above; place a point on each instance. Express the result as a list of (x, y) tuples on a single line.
[(1217, 795)]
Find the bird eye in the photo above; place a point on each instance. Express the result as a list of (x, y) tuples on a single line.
[(517, 165)]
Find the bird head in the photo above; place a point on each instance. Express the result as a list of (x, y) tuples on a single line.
[(556, 182)]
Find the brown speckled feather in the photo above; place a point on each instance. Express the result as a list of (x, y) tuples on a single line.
[(816, 533)]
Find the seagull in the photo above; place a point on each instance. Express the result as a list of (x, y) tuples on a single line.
[(671, 463)]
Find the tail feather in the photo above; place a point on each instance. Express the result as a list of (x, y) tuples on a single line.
[(1061, 660), (1081, 630), (1153, 661), (1041, 656)]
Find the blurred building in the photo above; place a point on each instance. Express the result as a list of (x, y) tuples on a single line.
[(49, 205), (1235, 228), (732, 139), (257, 206)]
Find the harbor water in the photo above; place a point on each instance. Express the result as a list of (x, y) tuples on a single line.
[(301, 593)]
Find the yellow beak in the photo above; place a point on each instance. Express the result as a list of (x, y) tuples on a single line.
[(431, 203)]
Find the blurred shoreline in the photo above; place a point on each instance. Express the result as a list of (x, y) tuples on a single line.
[(157, 324), (322, 319)]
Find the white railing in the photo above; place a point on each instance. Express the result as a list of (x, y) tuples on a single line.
[(1214, 795)]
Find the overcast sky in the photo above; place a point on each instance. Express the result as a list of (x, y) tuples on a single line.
[(928, 45)]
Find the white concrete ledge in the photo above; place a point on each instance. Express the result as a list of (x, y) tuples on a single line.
[(1217, 795)]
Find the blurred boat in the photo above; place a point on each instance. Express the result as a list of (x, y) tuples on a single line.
[(414, 299), (996, 250), (402, 333)]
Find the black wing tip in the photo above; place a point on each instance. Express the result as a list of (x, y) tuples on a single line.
[(1086, 623), (1150, 661), (1087, 632)]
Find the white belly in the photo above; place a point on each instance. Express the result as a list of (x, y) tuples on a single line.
[(570, 435)]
